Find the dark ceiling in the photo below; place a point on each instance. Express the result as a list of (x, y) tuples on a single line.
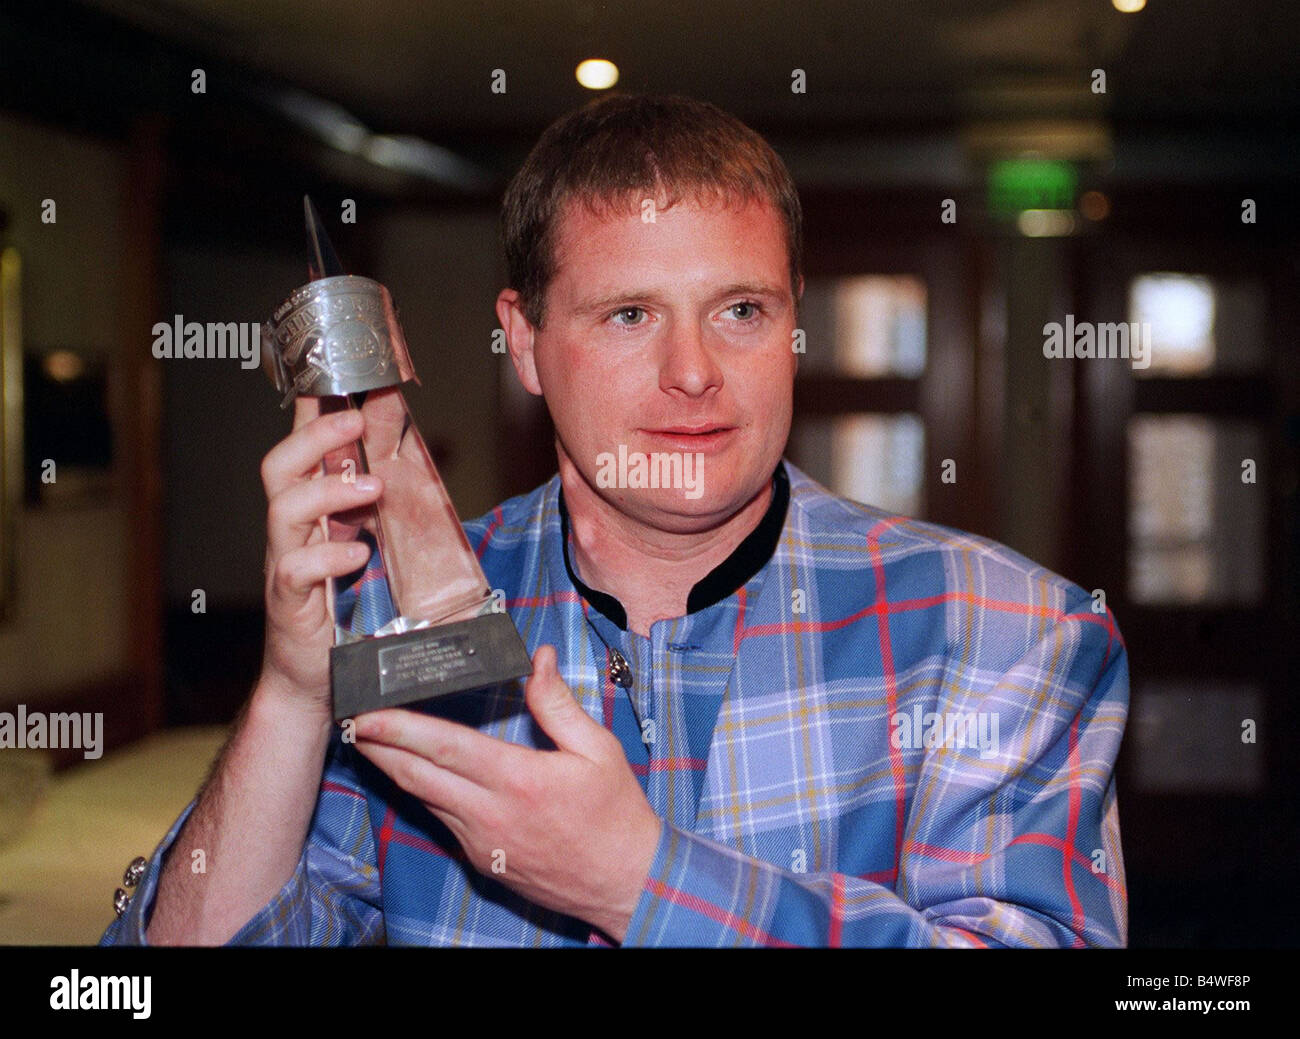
[(424, 66), (909, 90)]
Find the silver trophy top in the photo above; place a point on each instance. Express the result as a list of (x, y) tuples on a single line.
[(336, 335)]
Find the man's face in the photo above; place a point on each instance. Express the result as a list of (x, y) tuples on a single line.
[(669, 338)]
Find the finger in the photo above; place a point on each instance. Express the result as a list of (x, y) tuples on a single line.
[(299, 455), (435, 787), (561, 717), (470, 754), (304, 410), (295, 513), (295, 575), (385, 411)]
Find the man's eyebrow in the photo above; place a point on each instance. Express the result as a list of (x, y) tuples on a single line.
[(611, 300), (752, 288), (595, 304)]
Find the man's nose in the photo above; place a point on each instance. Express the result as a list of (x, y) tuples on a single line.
[(688, 363)]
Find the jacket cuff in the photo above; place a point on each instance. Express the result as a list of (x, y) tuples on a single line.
[(130, 927), (700, 893), (278, 923)]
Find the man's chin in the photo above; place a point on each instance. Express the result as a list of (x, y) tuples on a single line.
[(681, 498), (677, 511)]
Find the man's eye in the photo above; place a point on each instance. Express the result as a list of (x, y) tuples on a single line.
[(632, 314), (744, 311)]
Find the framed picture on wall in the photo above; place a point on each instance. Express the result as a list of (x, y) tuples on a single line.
[(11, 420)]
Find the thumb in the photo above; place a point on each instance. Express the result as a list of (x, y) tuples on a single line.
[(561, 717)]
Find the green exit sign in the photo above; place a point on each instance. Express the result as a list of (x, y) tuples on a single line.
[(1019, 184)]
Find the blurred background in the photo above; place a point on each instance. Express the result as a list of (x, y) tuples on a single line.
[(970, 172)]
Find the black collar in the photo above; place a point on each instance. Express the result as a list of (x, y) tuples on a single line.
[(747, 559)]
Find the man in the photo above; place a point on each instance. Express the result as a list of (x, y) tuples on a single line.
[(759, 713)]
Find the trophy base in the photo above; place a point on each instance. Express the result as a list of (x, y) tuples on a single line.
[(421, 665)]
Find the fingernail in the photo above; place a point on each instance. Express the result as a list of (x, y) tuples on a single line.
[(366, 484)]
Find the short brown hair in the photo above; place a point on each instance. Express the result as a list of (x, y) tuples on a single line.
[(615, 150)]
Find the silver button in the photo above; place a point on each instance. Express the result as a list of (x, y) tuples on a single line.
[(135, 872), (620, 672), (120, 901)]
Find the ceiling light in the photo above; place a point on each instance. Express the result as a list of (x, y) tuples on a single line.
[(1045, 223), (597, 74)]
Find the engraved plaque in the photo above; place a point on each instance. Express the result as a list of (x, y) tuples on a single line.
[(433, 660)]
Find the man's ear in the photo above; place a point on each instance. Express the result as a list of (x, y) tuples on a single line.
[(798, 297), (519, 339)]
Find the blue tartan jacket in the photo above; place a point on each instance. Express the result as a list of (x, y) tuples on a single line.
[(891, 734)]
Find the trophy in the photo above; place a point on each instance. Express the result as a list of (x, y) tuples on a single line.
[(337, 338)]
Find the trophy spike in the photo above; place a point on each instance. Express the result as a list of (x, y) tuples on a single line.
[(322, 261)]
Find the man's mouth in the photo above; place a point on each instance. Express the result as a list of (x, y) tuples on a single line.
[(702, 437)]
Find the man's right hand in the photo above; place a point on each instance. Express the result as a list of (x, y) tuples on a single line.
[(299, 559)]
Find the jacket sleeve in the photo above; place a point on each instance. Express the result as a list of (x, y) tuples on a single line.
[(333, 896), (1019, 850)]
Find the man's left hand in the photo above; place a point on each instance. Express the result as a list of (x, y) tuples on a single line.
[(569, 829)]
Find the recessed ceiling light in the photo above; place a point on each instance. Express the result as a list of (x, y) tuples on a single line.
[(1129, 6), (597, 74)]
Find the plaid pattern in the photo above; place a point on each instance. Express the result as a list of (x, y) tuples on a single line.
[(763, 730), (365, 605)]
